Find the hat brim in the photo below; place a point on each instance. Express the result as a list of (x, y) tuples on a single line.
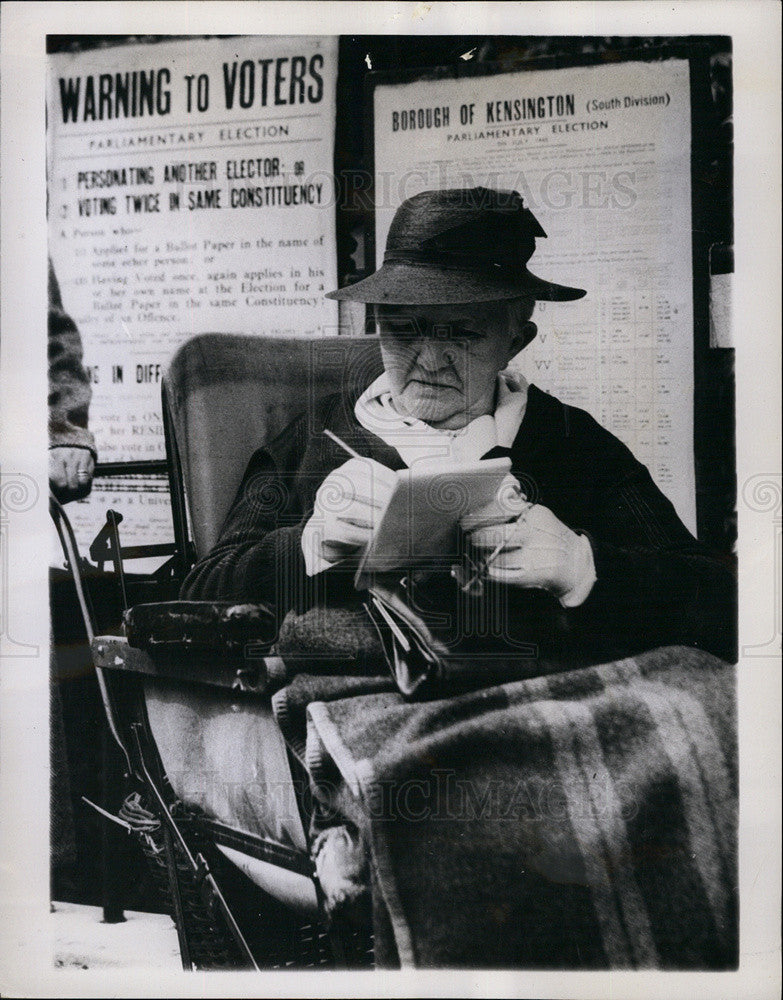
[(421, 284)]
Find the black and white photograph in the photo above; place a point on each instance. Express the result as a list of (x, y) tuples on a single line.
[(391, 515)]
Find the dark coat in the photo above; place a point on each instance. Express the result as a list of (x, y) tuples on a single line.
[(656, 585)]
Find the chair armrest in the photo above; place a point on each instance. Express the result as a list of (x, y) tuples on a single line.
[(188, 627), (254, 676), (214, 642)]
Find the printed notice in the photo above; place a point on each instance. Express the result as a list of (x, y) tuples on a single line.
[(142, 501), (190, 190), (601, 155)]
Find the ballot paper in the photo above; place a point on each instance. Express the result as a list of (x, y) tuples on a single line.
[(418, 525)]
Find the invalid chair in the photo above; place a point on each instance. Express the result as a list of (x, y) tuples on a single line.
[(223, 805), (226, 830)]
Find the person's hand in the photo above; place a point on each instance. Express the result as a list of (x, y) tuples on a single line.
[(538, 550), (348, 505), (70, 472)]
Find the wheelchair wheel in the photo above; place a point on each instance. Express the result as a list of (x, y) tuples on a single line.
[(278, 937)]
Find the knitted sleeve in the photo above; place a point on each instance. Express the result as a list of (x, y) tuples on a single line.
[(69, 387), (258, 555)]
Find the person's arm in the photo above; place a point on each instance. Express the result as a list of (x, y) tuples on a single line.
[(259, 556), (72, 452), (647, 582)]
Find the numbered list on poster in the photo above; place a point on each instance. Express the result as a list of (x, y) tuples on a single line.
[(190, 190), (601, 155)]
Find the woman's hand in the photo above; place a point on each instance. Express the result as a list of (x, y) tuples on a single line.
[(348, 506), (538, 550)]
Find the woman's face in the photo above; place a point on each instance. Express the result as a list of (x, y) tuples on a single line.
[(442, 361)]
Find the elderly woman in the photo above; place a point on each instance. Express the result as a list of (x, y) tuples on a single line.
[(590, 566), (597, 567)]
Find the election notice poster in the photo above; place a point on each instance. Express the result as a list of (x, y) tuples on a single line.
[(601, 156), (190, 190)]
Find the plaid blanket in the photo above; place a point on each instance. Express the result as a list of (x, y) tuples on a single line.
[(584, 819)]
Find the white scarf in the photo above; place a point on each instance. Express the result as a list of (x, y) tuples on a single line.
[(416, 440)]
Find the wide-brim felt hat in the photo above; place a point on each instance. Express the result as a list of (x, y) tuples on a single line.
[(456, 246)]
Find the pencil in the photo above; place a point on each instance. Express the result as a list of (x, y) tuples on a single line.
[(343, 445)]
